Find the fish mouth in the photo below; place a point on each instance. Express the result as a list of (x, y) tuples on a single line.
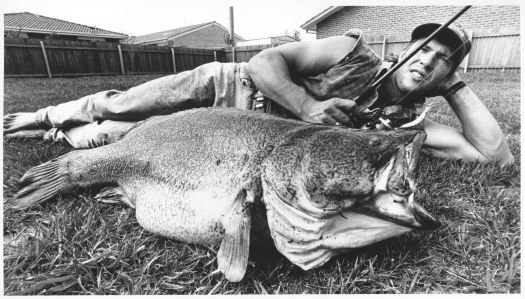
[(421, 220)]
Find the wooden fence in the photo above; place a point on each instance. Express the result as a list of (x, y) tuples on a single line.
[(51, 58), (54, 58), (245, 53)]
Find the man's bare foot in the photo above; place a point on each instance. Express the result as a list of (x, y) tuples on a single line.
[(38, 133), (20, 121)]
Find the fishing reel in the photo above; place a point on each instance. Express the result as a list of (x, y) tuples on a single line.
[(391, 121)]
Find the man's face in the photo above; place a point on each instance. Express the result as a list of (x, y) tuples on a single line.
[(422, 73)]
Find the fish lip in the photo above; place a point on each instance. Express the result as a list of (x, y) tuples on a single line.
[(427, 221)]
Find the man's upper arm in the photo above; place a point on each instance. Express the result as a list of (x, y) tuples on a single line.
[(310, 58), (447, 142)]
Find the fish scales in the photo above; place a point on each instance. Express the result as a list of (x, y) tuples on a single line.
[(186, 191)]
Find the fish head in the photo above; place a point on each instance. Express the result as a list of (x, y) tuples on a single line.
[(330, 190), (393, 197)]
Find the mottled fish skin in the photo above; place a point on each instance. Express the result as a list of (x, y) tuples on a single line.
[(185, 173), (334, 166), (198, 161)]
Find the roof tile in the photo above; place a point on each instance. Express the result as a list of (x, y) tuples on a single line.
[(31, 21)]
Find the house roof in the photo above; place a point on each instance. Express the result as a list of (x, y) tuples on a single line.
[(174, 33), (30, 22), (266, 40), (311, 25)]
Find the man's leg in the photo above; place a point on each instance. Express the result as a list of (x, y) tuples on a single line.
[(215, 84), (36, 133), (204, 86), (63, 115)]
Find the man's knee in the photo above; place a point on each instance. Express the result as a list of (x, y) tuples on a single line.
[(105, 104)]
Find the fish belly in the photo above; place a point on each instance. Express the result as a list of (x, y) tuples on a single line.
[(192, 216)]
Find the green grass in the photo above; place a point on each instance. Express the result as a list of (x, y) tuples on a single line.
[(77, 245)]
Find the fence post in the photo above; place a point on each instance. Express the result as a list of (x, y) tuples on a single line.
[(173, 59), (384, 49), (214, 55), (465, 67), (45, 59), (121, 60)]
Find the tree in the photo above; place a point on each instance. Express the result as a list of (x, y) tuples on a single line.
[(295, 34)]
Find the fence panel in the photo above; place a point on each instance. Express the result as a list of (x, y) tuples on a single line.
[(188, 58), (65, 60), (491, 51), (245, 53), (21, 59), (149, 59)]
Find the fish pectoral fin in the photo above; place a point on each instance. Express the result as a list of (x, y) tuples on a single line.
[(232, 257), (114, 195)]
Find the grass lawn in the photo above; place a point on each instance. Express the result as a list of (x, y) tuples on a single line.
[(78, 245)]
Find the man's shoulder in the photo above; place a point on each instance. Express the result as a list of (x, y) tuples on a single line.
[(354, 33)]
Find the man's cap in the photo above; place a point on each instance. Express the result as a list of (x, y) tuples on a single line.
[(455, 37)]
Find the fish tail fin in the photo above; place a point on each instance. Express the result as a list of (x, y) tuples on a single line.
[(80, 168), (41, 183)]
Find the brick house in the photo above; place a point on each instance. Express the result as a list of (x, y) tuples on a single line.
[(30, 25), (494, 30), (400, 20), (204, 36)]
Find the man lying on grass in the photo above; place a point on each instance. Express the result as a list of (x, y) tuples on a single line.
[(314, 81)]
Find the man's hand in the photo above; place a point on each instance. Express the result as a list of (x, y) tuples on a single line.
[(447, 83), (331, 112)]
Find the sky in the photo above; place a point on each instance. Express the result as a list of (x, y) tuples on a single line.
[(252, 19)]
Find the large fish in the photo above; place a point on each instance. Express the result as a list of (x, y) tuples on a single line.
[(196, 175)]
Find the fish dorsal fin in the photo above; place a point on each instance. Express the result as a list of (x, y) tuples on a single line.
[(233, 252)]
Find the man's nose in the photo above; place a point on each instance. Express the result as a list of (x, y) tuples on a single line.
[(427, 59)]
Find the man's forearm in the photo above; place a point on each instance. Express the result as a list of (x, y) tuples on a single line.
[(479, 126), (273, 79)]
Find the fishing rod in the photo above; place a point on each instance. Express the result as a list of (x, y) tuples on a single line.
[(367, 93)]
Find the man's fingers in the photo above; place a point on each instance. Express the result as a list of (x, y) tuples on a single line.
[(339, 115), (328, 119), (347, 106), (342, 109), (333, 111)]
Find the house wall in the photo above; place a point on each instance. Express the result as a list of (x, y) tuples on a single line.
[(400, 20), (209, 37)]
